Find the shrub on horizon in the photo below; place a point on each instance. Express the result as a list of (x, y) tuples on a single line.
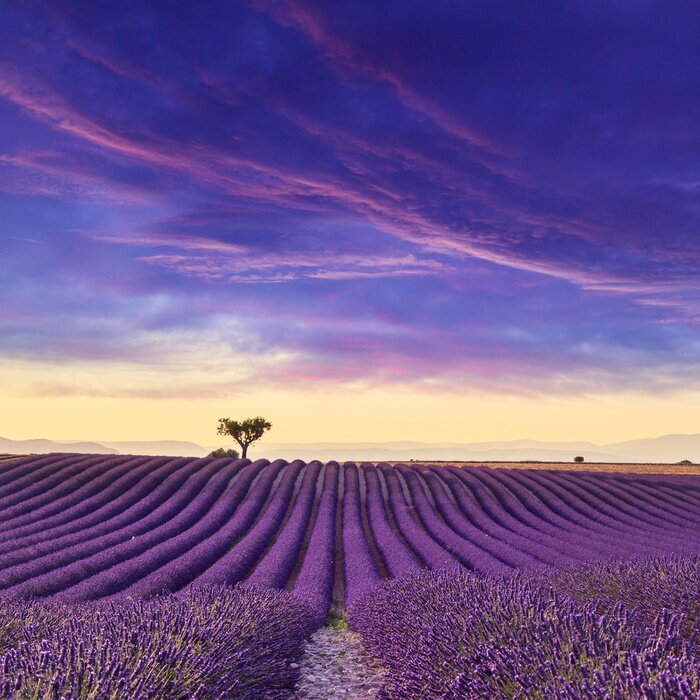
[(221, 452), (578, 459)]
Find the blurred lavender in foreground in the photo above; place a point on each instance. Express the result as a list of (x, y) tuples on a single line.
[(454, 635), (643, 586), (211, 643)]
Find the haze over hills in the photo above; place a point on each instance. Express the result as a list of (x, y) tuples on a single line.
[(667, 448), (42, 446), (181, 448)]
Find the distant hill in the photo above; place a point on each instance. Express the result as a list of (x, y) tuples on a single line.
[(176, 448), (40, 446), (403, 451), (179, 448), (667, 448)]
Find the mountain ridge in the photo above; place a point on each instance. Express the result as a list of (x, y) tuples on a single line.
[(662, 449)]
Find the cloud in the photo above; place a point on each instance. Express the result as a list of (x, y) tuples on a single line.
[(470, 194)]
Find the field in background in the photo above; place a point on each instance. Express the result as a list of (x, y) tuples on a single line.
[(692, 469), (90, 527), (621, 467), (390, 549)]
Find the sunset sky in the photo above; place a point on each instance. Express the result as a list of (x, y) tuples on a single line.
[(363, 220)]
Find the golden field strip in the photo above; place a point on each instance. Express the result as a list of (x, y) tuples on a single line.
[(624, 468)]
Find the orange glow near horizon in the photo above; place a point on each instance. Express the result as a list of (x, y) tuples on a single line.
[(380, 415)]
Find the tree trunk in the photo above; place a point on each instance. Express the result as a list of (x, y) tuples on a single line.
[(244, 452)]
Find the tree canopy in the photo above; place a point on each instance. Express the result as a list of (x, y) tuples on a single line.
[(244, 432)]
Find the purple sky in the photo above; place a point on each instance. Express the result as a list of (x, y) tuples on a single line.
[(491, 195)]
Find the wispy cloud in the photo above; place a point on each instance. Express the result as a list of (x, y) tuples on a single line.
[(466, 195)]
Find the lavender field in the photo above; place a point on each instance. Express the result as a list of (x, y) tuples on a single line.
[(85, 538)]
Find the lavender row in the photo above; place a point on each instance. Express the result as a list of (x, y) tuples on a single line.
[(192, 552), (25, 472), (241, 558), (18, 467), (507, 556), (24, 494), (610, 510), (118, 568), (654, 500), (314, 580), (275, 568), (508, 502), (91, 495), (398, 558), (461, 547), (160, 480), (594, 502), (684, 503), (74, 487), (633, 500), (431, 552), (205, 524), (360, 570), (606, 507), (517, 545), (509, 517), (548, 515), (55, 572), (552, 510), (155, 495)]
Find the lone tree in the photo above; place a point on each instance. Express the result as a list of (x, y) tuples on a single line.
[(578, 459), (244, 432)]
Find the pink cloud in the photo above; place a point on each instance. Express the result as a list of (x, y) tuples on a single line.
[(367, 193)]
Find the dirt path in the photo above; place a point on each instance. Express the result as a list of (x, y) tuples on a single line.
[(336, 665)]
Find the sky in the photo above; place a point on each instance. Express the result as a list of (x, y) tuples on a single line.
[(363, 220)]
